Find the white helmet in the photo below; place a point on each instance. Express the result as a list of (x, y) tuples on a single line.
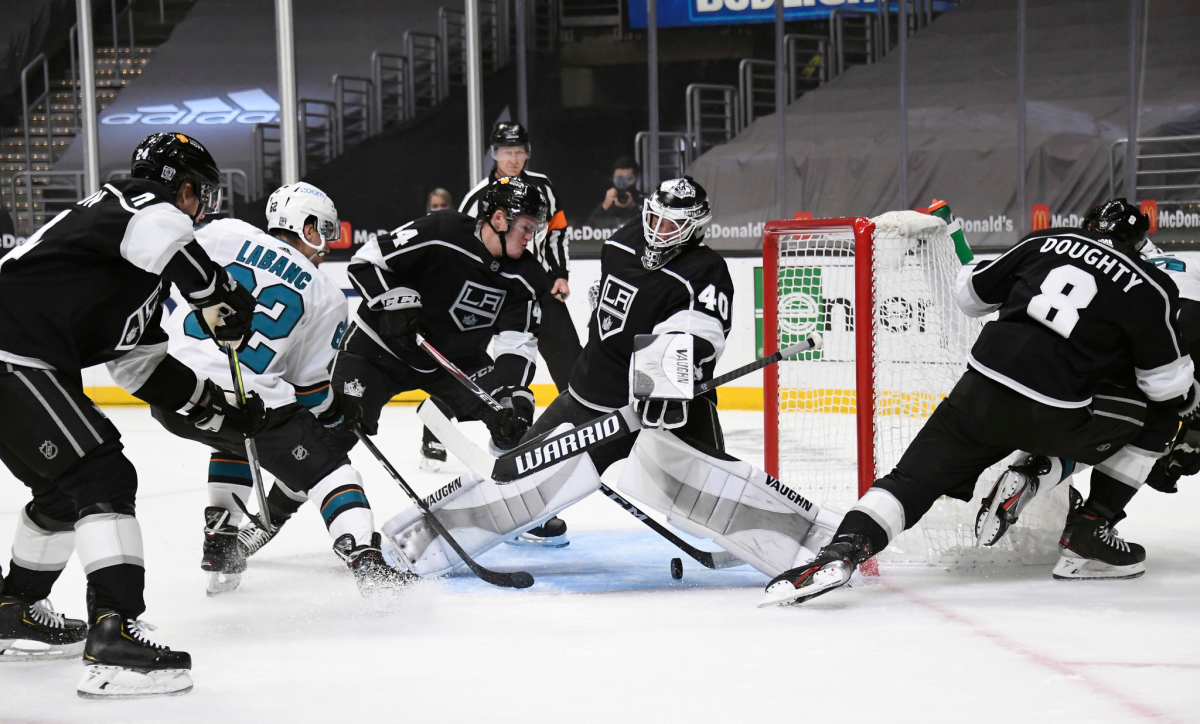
[(293, 206)]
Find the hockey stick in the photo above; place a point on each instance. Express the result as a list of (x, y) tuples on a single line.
[(479, 460), (537, 454), (515, 579), (263, 519)]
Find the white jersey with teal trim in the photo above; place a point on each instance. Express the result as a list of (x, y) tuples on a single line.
[(297, 326), (1184, 270)]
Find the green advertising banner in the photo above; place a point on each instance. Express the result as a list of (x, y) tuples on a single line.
[(801, 307)]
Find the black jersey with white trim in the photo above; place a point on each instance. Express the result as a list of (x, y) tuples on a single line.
[(86, 288), (692, 293), (551, 247), (1076, 309), (466, 295)]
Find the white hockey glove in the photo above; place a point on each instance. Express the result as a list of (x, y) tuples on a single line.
[(661, 378)]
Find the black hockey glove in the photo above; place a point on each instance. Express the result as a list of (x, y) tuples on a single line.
[(1182, 461), (667, 414), (510, 424), (398, 328), (343, 412), (228, 313), (218, 412)]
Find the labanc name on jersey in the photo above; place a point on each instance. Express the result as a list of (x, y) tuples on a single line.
[(273, 263)]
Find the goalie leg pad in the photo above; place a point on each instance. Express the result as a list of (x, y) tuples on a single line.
[(747, 512), (480, 514)]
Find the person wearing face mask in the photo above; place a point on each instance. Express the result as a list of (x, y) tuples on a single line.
[(438, 200), (622, 202)]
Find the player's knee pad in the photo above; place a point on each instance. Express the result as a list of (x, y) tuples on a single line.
[(1130, 465), (105, 480), (480, 514), (343, 504), (747, 512), (42, 543)]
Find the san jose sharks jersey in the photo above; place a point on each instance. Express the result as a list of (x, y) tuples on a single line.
[(692, 293), (467, 297), (297, 326), (1183, 268)]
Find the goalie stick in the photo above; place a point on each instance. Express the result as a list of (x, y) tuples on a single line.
[(263, 519), (515, 579)]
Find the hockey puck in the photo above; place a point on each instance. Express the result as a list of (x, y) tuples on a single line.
[(677, 569)]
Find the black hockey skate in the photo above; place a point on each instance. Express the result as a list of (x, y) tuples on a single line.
[(1013, 492), (831, 568), (224, 559), (371, 571), (1091, 549), (433, 455), (34, 632), (123, 664), (551, 534)]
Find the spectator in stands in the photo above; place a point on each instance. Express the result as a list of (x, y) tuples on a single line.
[(439, 199), (622, 202)]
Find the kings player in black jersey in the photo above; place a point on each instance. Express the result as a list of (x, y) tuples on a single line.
[(87, 289), (1085, 365), (656, 276), (462, 283)]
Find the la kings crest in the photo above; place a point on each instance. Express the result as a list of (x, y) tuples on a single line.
[(477, 306), (616, 299)]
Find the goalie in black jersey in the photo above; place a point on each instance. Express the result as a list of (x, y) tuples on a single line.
[(1085, 365), (87, 289), (460, 282)]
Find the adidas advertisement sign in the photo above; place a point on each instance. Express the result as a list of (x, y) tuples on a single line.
[(245, 106)]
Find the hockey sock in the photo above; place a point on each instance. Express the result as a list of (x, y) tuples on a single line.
[(41, 549), (109, 545), (1109, 496), (858, 522), (229, 477), (344, 506), (283, 502)]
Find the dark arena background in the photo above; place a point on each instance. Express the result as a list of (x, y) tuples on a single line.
[(1021, 115)]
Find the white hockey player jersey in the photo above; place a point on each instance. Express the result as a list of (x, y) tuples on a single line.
[(297, 326), (1184, 270)]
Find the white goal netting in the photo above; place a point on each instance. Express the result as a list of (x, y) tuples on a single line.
[(915, 352)]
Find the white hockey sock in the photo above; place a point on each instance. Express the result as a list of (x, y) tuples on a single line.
[(108, 539), (343, 505), (37, 549)]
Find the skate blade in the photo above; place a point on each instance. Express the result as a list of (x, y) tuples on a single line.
[(219, 583), (24, 650), (533, 541), (823, 581), (431, 465), (1072, 568), (118, 682)]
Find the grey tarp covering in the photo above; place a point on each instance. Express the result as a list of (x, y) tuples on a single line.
[(843, 142)]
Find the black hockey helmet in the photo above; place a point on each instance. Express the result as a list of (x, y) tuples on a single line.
[(173, 158), (1119, 219), (509, 133), (676, 213), (515, 197)]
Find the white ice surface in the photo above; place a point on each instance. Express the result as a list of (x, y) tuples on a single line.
[(298, 644)]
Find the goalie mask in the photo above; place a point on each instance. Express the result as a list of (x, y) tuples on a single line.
[(676, 214), (1122, 221), (172, 159), (514, 197), (294, 206)]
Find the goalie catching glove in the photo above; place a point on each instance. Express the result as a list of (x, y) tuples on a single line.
[(218, 411), (662, 375), (227, 314)]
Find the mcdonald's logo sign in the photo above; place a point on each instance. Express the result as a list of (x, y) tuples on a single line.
[(1039, 217), (802, 216), (1150, 209)]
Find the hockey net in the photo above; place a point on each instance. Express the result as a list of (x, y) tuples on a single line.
[(881, 293)]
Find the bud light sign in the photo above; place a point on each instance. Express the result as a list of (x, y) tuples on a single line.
[(680, 13)]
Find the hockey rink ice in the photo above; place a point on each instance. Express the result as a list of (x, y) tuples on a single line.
[(605, 635)]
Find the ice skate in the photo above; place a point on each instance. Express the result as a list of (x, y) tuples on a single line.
[(1091, 549), (832, 567), (223, 558), (551, 534), (433, 455), (1013, 492), (123, 664), (371, 571), (34, 632)]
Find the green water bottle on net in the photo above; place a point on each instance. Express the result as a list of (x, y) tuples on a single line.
[(941, 210)]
